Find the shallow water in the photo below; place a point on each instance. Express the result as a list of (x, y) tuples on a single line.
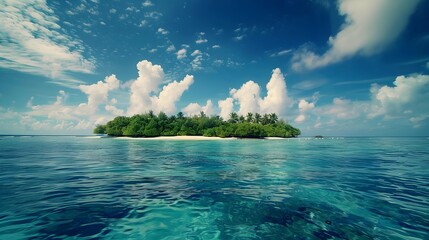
[(342, 188)]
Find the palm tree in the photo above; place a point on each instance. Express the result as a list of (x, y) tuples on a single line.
[(151, 114), (265, 119), (202, 114), (162, 116), (257, 118), (249, 117), (273, 118), (180, 115), (242, 119), (233, 117)]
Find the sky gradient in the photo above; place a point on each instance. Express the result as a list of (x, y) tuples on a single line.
[(337, 68)]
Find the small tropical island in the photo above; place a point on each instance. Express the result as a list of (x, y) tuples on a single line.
[(150, 125)]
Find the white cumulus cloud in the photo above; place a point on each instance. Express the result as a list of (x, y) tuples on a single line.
[(171, 48), (170, 95), (247, 97), (201, 38), (409, 97), (226, 107), (196, 52), (147, 3), (162, 31), (277, 100), (303, 107), (344, 109), (369, 27), (405, 101), (114, 110), (195, 109), (181, 53), (98, 93), (150, 77), (144, 89), (197, 61)]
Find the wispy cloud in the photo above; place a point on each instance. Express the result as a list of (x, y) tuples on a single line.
[(415, 61), (240, 37), (154, 15), (147, 3), (281, 53), (132, 9), (201, 38), (197, 61), (359, 35), (162, 31), (363, 81), (33, 42), (171, 48), (309, 84), (143, 23), (240, 33), (181, 53)]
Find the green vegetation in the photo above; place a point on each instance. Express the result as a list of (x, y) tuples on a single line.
[(151, 125)]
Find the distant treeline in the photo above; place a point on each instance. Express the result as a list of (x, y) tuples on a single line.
[(152, 125)]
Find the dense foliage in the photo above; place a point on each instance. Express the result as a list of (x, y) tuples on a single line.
[(151, 125)]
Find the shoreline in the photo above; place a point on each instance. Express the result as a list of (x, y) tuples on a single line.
[(199, 138), (175, 138)]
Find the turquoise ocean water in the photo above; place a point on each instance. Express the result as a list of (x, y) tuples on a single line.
[(54, 187)]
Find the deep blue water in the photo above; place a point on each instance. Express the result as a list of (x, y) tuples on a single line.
[(84, 188)]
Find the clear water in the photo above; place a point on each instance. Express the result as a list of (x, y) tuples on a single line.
[(82, 188)]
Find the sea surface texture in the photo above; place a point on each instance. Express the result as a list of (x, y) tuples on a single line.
[(69, 187)]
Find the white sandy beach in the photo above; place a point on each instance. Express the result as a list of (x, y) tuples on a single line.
[(199, 138), (274, 138), (92, 137), (177, 138)]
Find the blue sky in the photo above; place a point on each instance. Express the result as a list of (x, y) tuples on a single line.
[(328, 67)]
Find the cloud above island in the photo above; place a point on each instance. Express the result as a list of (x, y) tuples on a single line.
[(405, 100), (248, 99), (195, 109), (144, 90)]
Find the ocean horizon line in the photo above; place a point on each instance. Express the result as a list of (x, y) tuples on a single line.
[(305, 136)]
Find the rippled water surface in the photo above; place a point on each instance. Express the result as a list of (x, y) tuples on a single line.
[(345, 188)]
